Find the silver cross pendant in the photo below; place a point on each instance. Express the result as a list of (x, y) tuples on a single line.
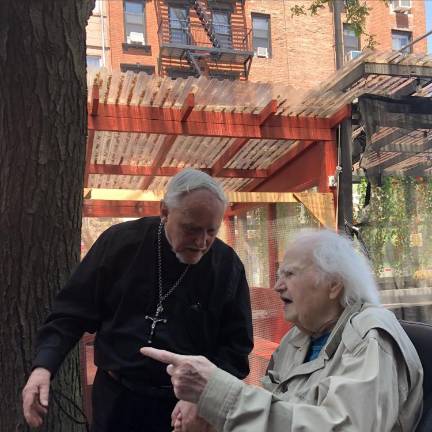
[(155, 320)]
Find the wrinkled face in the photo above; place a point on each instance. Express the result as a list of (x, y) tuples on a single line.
[(308, 302), (192, 226)]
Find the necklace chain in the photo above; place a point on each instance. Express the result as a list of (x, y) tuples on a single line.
[(162, 296)]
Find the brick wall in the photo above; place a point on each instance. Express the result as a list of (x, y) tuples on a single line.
[(117, 37), (302, 48), (383, 20)]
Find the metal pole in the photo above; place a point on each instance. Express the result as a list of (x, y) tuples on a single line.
[(338, 6), (345, 137)]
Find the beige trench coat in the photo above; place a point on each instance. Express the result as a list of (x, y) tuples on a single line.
[(367, 378)]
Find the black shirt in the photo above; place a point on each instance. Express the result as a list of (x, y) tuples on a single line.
[(116, 286)]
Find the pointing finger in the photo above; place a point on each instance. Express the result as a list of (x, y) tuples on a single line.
[(163, 356)]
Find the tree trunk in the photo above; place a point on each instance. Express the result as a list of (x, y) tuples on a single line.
[(43, 126)]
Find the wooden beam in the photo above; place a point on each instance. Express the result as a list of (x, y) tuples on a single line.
[(329, 163), (134, 170), (89, 151), (170, 114), (206, 123), (341, 115), (293, 152), (94, 106), (153, 196), (159, 158), (229, 153), (269, 110), (106, 208), (399, 69), (188, 106)]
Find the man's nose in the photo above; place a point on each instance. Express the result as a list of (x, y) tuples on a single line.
[(201, 239), (279, 285)]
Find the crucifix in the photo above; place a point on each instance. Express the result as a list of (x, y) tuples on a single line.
[(155, 320)]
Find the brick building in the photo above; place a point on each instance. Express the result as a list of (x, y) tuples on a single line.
[(257, 40)]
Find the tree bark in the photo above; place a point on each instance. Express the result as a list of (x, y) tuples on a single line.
[(43, 126)]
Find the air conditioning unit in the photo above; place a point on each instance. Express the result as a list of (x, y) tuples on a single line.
[(135, 38), (401, 5), (351, 55), (262, 52)]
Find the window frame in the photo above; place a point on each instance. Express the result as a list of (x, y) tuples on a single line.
[(269, 41), (144, 16), (185, 32), (228, 36), (403, 32), (346, 51), (392, 5)]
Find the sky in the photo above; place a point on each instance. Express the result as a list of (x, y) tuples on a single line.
[(429, 23)]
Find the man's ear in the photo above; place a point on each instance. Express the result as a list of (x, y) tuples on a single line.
[(163, 211), (336, 290)]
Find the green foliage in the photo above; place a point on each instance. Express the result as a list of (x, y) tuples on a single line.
[(356, 13), (400, 211)]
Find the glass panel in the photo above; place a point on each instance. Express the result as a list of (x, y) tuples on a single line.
[(134, 20), (350, 39), (222, 28), (260, 27), (134, 7), (400, 39), (93, 61), (179, 25)]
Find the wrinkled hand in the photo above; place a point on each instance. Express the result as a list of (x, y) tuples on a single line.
[(189, 374), (35, 396), (185, 419)]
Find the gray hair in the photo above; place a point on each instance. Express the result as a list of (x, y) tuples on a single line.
[(189, 180), (336, 260)]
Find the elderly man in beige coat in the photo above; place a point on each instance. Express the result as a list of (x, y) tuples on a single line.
[(346, 365)]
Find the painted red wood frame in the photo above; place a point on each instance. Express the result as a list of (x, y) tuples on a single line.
[(114, 208), (134, 170), (172, 121)]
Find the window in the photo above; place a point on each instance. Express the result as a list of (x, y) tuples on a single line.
[(179, 25), (222, 28), (400, 39), (93, 61), (400, 5), (134, 21), (350, 40), (261, 33), (175, 73), (124, 67)]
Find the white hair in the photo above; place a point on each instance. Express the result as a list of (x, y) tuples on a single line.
[(336, 260), (190, 180)]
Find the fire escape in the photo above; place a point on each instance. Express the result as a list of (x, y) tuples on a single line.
[(195, 40)]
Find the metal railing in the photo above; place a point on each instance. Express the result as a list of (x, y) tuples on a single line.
[(185, 33)]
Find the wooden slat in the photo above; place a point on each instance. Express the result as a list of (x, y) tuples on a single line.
[(149, 170), (140, 195), (232, 150), (294, 151), (160, 157)]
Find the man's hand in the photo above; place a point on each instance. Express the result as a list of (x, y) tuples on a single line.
[(35, 396), (185, 418), (189, 374)]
